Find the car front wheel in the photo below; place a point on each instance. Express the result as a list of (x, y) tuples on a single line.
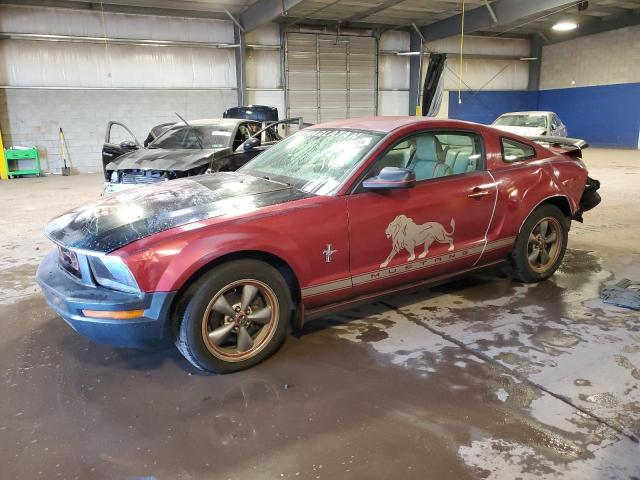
[(234, 317), (541, 245)]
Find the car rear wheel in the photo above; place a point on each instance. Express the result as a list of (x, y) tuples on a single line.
[(234, 317), (541, 245)]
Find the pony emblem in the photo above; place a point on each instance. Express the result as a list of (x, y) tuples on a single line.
[(406, 234)]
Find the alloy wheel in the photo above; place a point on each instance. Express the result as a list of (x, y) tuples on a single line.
[(240, 320), (544, 245)]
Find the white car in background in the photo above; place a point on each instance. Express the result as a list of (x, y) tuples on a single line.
[(531, 124)]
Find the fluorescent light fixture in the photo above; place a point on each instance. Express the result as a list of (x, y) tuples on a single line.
[(523, 59), (564, 26), (408, 53)]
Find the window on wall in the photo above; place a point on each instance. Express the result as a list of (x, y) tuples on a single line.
[(513, 151)]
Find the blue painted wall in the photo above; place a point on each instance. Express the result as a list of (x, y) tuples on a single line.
[(486, 106), (605, 116)]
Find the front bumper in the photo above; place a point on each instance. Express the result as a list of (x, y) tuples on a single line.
[(68, 297)]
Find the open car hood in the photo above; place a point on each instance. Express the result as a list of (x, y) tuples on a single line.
[(131, 215), (162, 159)]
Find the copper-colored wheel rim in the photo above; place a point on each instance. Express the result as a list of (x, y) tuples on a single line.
[(240, 320), (544, 245)]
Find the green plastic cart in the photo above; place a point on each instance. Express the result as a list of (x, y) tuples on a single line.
[(14, 156)]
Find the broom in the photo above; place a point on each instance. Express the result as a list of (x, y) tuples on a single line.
[(66, 170)]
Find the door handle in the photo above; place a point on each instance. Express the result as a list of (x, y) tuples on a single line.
[(478, 193)]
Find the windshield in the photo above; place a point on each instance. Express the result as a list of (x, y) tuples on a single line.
[(211, 136), (536, 121), (314, 160)]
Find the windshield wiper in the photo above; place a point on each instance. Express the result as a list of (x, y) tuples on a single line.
[(267, 177), (193, 130)]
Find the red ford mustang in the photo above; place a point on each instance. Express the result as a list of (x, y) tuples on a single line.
[(336, 214)]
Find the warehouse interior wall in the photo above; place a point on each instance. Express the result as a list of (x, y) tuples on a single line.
[(264, 68), (80, 86), (591, 82), (393, 73)]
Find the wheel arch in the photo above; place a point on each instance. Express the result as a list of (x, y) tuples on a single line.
[(275, 261), (560, 201)]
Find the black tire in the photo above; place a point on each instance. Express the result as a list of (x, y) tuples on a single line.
[(522, 267), (195, 337)]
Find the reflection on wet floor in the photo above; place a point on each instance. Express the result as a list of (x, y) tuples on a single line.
[(573, 348)]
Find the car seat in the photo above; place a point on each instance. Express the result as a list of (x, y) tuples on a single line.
[(429, 159)]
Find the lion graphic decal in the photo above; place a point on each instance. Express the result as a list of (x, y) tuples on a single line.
[(406, 234)]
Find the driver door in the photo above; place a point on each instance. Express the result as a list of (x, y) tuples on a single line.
[(240, 156), (118, 140), (436, 228)]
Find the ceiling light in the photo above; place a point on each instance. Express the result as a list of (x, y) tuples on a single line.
[(408, 53), (564, 26)]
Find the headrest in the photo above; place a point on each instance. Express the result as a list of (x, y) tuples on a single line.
[(429, 149)]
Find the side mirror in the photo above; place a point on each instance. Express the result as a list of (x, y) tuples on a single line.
[(128, 145), (251, 143), (391, 178)]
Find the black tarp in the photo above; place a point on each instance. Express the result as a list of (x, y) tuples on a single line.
[(432, 91)]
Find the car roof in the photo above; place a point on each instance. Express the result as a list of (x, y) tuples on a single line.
[(531, 112), (388, 124)]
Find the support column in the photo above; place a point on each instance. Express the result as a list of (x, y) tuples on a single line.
[(534, 65), (414, 72), (241, 66)]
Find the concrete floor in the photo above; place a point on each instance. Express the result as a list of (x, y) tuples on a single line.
[(482, 378)]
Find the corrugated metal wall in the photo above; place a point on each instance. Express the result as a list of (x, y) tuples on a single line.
[(330, 77)]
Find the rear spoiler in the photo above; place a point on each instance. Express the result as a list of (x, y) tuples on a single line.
[(570, 146)]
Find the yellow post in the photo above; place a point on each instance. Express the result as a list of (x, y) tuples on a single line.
[(4, 171), (418, 111)]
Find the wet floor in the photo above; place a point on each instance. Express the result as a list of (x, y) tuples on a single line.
[(481, 378)]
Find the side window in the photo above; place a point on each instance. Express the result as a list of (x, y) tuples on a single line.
[(556, 121), (117, 133), (434, 155), (512, 150), (398, 156), (462, 151)]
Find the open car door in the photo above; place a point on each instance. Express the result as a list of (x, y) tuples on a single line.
[(265, 135), (118, 140)]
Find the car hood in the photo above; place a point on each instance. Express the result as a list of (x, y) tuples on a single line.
[(524, 131), (118, 220), (163, 159)]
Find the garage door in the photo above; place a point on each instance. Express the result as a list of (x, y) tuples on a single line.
[(330, 78)]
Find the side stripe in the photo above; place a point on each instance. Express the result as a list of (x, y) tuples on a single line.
[(416, 265)]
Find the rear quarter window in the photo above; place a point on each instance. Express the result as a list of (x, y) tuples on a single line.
[(513, 151)]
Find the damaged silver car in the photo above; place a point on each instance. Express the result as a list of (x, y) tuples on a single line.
[(185, 149)]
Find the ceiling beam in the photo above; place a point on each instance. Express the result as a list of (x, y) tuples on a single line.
[(264, 11), (117, 8), (598, 26), (372, 10), (506, 11)]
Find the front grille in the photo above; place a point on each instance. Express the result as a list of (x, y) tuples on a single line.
[(142, 176), (68, 260)]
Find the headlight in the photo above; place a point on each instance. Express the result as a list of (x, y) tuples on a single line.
[(111, 272)]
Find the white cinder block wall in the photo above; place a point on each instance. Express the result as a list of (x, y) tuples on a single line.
[(604, 59), (81, 86)]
